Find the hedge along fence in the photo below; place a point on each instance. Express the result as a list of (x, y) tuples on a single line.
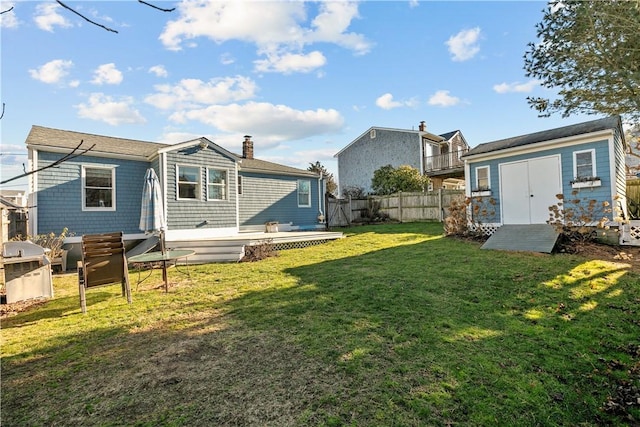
[(402, 207)]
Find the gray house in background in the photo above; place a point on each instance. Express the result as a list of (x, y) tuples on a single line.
[(437, 156), (208, 192)]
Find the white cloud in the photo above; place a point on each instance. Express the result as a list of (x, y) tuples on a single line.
[(260, 118), (52, 72), (332, 23), (516, 86), (8, 19), (227, 59), (280, 30), (464, 45), (47, 17), (159, 71), (194, 92), (107, 74), (109, 110), (442, 98), (386, 102), (291, 62)]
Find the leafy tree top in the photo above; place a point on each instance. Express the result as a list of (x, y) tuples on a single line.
[(328, 176), (589, 50), (390, 180)]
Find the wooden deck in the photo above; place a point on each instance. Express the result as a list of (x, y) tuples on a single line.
[(231, 248)]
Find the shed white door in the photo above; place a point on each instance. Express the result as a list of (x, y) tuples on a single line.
[(528, 188)]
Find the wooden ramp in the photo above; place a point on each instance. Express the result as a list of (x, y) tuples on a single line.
[(531, 238)]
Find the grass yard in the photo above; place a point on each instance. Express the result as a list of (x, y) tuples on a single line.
[(394, 325)]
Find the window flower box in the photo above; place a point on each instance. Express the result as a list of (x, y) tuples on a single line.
[(481, 192), (587, 182)]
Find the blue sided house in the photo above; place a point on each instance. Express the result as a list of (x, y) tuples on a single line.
[(521, 176), (208, 192)]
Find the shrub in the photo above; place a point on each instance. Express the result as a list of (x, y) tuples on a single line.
[(482, 211), (260, 251), (579, 219), (51, 241)]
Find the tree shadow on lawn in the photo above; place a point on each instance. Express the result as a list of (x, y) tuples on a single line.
[(442, 336), (207, 371), (408, 335)]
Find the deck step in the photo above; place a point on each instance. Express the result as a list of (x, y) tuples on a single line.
[(211, 251), (526, 237), (145, 246)]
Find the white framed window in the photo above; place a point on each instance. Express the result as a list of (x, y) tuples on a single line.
[(483, 181), (216, 184), (98, 188), (584, 164), (239, 184), (372, 133), (188, 182), (304, 193)]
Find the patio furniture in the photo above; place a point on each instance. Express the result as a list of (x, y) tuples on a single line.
[(103, 263), (163, 258)]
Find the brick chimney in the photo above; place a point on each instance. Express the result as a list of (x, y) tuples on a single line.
[(423, 126), (247, 147)]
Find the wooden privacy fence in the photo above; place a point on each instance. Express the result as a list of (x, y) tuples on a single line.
[(633, 189), (402, 207), (633, 198)]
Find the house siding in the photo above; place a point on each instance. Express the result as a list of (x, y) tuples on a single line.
[(60, 196), (358, 162), (268, 198), (200, 213), (620, 170), (601, 193)]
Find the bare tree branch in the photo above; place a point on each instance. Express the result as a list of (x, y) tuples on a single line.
[(156, 7), (2, 114), (8, 10), (69, 156), (85, 18)]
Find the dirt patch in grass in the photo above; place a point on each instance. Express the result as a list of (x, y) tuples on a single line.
[(625, 254)]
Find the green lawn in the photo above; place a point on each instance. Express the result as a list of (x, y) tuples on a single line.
[(394, 325)]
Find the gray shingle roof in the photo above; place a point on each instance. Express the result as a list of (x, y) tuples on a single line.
[(262, 166), (448, 135), (43, 137), (547, 135)]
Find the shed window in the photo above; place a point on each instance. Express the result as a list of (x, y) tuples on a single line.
[(304, 193), (482, 178), (584, 165), (188, 182), (216, 184), (98, 192)]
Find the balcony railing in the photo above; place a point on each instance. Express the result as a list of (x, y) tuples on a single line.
[(445, 161)]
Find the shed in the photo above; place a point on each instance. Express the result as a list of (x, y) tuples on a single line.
[(522, 176)]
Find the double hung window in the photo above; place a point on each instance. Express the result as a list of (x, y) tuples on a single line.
[(216, 184), (304, 193), (188, 182), (99, 184), (482, 178)]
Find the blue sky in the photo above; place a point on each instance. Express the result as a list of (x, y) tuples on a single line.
[(303, 78)]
